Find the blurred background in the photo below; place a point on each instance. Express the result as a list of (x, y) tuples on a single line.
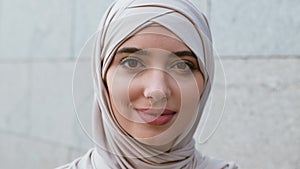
[(258, 42)]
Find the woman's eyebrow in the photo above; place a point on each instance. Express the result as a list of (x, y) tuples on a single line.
[(184, 53), (144, 52), (132, 50)]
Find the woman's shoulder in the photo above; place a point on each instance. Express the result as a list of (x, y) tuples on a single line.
[(214, 163), (83, 162)]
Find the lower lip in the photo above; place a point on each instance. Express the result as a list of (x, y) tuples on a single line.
[(154, 120)]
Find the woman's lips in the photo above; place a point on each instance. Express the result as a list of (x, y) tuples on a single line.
[(156, 116)]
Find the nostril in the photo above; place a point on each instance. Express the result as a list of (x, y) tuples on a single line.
[(155, 96)]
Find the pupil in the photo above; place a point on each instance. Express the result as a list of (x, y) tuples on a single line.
[(132, 63), (181, 65)]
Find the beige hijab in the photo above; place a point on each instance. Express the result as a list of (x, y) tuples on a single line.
[(114, 148)]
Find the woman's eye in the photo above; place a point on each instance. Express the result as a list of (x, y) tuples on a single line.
[(131, 63), (181, 65), (184, 66)]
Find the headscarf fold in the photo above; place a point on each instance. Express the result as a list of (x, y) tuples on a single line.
[(114, 148)]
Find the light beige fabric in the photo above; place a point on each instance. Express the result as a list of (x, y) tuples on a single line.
[(114, 148), (88, 161)]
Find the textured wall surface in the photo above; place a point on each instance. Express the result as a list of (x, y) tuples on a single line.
[(258, 42), (255, 28)]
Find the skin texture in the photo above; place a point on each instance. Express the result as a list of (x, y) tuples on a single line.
[(154, 84)]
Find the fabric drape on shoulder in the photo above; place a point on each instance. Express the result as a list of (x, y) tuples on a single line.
[(87, 162)]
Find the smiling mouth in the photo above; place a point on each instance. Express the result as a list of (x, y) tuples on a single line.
[(156, 116)]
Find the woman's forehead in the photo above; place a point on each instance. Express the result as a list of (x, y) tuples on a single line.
[(154, 41)]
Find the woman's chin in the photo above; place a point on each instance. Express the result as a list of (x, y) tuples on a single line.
[(157, 139)]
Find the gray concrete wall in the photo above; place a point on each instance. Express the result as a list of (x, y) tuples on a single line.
[(257, 40)]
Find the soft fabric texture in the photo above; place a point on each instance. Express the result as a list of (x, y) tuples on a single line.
[(114, 148), (88, 161)]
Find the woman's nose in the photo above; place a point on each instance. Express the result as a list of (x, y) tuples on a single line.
[(157, 86)]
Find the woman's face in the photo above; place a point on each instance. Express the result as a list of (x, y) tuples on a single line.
[(154, 84)]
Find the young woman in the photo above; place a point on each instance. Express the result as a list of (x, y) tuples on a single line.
[(153, 71)]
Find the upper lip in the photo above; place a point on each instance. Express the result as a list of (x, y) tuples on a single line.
[(156, 111)]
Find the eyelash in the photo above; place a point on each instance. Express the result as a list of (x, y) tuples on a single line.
[(190, 64), (126, 60)]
